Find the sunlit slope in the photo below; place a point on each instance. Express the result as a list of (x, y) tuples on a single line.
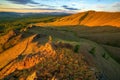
[(89, 18)]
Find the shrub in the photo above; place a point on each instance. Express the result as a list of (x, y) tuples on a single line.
[(76, 49), (92, 51), (105, 56)]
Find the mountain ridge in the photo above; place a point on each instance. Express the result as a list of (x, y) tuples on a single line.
[(89, 18)]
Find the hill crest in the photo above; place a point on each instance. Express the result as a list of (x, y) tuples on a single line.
[(89, 18)]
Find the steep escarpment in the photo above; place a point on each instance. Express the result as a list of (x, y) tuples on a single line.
[(26, 46), (51, 62), (7, 40), (89, 18)]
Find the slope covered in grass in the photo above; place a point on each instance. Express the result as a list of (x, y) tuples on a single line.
[(89, 18)]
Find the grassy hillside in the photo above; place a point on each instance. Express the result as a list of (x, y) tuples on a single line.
[(89, 18), (10, 20), (103, 35), (50, 52)]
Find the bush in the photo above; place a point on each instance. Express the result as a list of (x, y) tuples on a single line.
[(105, 56), (92, 51), (76, 49)]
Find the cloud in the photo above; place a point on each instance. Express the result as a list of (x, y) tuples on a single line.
[(32, 5), (31, 8), (46, 5), (23, 1), (116, 4), (101, 6), (40, 5), (39, 9), (69, 8), (1, 4)]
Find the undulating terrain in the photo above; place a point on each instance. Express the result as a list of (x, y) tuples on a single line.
[(83, 46), (89, 18)]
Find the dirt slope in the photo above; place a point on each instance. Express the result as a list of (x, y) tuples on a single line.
[(89, 18)]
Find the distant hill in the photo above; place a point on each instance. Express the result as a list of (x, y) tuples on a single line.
[(14, 14), (12, 20), (89, 18)]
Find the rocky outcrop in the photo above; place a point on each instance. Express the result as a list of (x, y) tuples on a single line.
[(5, 38), (24, 47), (10, 39), (32, 76), (50, 62), (24, 61)]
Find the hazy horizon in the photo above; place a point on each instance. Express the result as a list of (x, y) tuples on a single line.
[(67, 6)]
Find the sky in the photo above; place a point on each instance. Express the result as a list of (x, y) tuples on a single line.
[(70, 6)]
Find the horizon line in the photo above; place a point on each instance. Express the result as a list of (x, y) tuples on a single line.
[(55, 11)]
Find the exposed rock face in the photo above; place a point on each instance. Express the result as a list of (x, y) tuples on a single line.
[(6, 37), (50, 62), (9, 39), (27, 61), (24, 47), (32, 76)]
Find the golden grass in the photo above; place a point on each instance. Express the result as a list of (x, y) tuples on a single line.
[(90, 18)]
